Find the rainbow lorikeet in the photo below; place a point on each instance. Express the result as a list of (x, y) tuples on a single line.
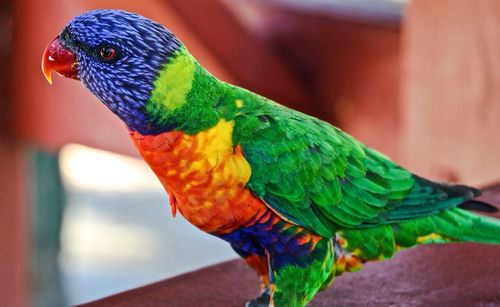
[(300, 200)]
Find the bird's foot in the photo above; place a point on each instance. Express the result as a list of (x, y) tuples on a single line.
[(263, 300)]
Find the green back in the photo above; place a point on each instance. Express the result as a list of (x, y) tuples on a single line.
[(319, 177)]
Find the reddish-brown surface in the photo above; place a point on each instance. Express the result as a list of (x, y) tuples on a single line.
[(464, 274)]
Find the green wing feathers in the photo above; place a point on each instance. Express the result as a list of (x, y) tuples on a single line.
[(319, 177)]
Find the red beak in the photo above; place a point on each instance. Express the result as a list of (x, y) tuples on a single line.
[(59, 59)]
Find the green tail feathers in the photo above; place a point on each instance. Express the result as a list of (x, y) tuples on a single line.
[(463, 225), (450, 225)]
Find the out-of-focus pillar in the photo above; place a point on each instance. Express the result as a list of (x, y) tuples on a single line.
[(46, 214), (13, 234), (451, 90)]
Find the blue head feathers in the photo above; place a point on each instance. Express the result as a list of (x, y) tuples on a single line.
[(119, 55)]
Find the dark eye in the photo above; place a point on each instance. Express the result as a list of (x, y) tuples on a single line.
[(107, 53)]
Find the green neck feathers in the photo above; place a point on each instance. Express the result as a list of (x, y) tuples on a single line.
[(187, 98), (184, 96)]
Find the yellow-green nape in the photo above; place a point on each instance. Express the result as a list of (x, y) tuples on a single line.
[(239, 103), (173, 84)]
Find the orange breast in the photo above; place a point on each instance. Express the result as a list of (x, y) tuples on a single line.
[(204, 175)]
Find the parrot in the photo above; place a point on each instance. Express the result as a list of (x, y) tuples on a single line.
[(300, 200)]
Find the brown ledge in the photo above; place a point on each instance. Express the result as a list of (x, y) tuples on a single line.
[(463, 274)]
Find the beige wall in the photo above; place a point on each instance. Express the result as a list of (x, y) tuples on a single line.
[(451, 90)]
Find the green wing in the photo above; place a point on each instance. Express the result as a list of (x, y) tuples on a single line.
[(319, 177)]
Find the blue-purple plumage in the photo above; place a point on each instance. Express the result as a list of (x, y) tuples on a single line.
[(123, 88)]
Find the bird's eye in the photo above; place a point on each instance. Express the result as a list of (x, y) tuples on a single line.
[(107, 53)]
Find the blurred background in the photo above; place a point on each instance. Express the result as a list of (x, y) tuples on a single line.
[(81, 217)]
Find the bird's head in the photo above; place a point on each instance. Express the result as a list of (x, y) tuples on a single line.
[(119, 56)]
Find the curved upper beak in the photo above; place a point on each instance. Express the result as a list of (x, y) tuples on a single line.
[(59, 59)]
